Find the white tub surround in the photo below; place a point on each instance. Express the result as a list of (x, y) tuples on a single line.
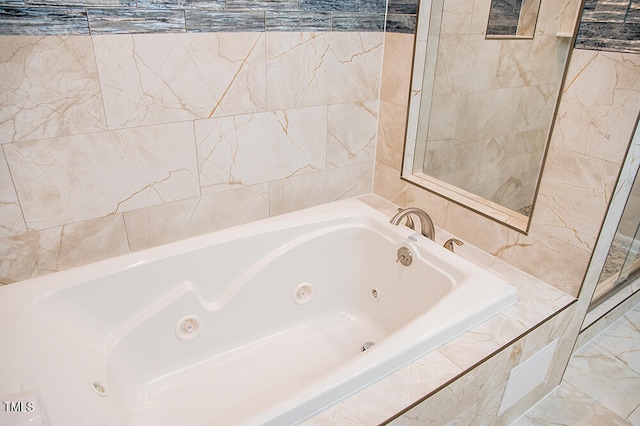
[(170, 335)]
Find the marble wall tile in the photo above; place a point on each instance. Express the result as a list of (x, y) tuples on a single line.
[(605, 379), (387, 184), (553, 260), (569, 405), (619, 342), (75, 178), (605, 314), (258, 148), (480, 342), (396, 78), (49, 88), (594, 119), (457, 16), (37, 253), (373, 404), (564, 235), (482, 412), (170, 222), (390, 134), (193, 76), (574, 193), (428, 373), (311, 189), (535, 62), (483, 114), (308, 69), (351, 133), (11, 220), (469, 62), (390, 394), (475, 397), (470, 389)]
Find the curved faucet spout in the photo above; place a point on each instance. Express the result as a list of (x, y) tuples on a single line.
[(426, 224)]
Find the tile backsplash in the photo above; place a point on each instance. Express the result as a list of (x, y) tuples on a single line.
[(61, 17)]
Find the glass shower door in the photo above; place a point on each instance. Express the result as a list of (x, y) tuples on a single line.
[(623, 261)]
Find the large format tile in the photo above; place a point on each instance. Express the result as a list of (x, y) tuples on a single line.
[(75, 178), (604, 379), (574, 193), (165, 223), (164, 78), (594, 119), (351, 133), (49, 88), (307, 69), (311, 189), (37, 253), (259, 148), (622, 340), (567, 405), (11, 220)]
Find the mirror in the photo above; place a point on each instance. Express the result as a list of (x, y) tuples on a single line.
[(481, 106)]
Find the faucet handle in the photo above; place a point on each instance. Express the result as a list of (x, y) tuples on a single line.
[(449, 243), (409, 222)]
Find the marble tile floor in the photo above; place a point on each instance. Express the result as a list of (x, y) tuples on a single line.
[(602, 383)]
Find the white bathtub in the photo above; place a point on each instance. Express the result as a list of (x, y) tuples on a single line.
[(102, 344)]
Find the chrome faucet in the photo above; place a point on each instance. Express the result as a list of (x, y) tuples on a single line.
[(426, 224)]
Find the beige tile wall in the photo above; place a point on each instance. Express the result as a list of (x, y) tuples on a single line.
[(121, 142), (475, 398), (596, 118), (597, 114)]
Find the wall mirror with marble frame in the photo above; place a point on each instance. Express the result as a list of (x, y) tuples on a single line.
[(481, 109)]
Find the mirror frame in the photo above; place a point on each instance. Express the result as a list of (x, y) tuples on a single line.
[(487, 208)]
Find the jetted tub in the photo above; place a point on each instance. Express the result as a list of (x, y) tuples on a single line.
[(258, 324)]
